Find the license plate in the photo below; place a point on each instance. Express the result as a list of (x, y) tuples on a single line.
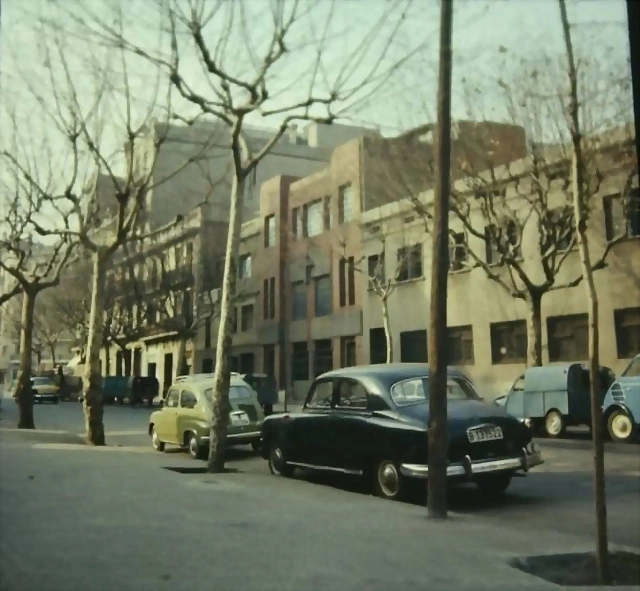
[(478, 434), (240, 419)]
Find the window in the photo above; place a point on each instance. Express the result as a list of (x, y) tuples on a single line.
[(188, 399), (415, 390), (299, 362), (377, 345), (272, 300), (207, 334), (347, 281), (269, 360), (270, 230), (409, 262), (299, 300), (345, 203), (246, 317), (326, 213), (627, 324), (460, 342), (458, 255), (350, 394), (413, 346), (622, 217), (509, 342), (313, 218), (375, 269), (244, 266), (207, 365), (347, 351), (322, 357), (269, 298), (173, 397), (247, 363), (322, 296), (234, 320), (502, 240), (322, 394), (567, 337), (296, 222)]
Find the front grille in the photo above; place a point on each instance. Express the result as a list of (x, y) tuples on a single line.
[(617, 393), (251, 411)]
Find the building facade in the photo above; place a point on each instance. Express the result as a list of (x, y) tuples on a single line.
[(488, 330)]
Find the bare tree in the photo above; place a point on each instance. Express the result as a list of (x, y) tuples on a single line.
[(244, 78), (91, 106), (581, 214)]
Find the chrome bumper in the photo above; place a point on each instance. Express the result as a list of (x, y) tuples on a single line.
[(468, 468), (237, 436)]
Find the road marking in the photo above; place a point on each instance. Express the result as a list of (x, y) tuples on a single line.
[(77, 446)]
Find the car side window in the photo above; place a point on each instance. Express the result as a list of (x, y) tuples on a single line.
[(172, 398), (518, 385), (352, 394), (188, 399), (321, 394)]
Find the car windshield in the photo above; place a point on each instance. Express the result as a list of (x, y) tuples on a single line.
[(235, 393), (43, 382), (633, 370), (416, 390)]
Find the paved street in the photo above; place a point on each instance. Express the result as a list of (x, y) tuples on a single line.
[(558, 496)]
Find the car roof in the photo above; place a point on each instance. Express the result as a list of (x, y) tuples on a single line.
[(201, 378), (387, 371)]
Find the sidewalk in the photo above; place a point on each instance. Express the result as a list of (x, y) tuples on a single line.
[(84, 519)]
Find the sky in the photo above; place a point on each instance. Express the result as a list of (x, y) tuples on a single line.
[(494, 42)]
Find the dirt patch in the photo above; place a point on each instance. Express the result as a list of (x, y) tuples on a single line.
[(574, 570)]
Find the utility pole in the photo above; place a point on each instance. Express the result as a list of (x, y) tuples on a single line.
[(438, 353)]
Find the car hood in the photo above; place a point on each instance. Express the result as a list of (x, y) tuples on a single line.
[(463, 414)]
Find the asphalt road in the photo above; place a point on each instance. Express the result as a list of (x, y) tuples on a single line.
[(558, 496)]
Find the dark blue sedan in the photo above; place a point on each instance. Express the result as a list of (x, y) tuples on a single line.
[(371, 421)]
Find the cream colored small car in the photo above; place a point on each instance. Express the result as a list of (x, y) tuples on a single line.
[(185, 418)]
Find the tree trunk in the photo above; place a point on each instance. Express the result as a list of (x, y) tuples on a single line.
[(52, 350), (107, 359), (388, 335), (23, 393), (534, 330), (181, 365), (579, 211), (221, 378), (437, 428), (38, 358), (93, 404)]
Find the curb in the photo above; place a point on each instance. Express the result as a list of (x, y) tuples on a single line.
[(582, 445)]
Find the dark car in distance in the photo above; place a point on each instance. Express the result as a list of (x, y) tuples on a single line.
[(372, 420)]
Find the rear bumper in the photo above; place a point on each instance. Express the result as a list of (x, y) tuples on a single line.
[(529, 458), (236, 437)]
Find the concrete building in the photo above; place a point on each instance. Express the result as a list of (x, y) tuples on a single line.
[(192, 164), (488, 329)]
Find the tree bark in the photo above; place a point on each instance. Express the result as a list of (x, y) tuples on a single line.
[(181, 365), (534, 330), (221, 407), (126, 357), (579, 209), (388, 335), (107, 359), (52, 350), (93, 404), (24, 393), (438, 425)]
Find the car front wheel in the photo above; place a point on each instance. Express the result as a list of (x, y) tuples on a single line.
[(155, 440), (494, 483), (621, 427), (389, 483), (277, 462)]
